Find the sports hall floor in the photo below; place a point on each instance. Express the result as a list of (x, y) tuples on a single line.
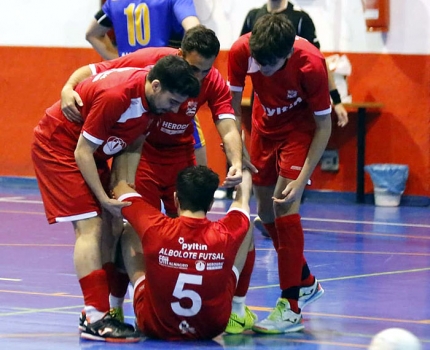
[(373, 262)]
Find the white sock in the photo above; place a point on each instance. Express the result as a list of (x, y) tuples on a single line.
[(238, 306), (115, 302), (93, 315)]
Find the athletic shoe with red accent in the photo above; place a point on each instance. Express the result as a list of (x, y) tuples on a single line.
[(107, 329)]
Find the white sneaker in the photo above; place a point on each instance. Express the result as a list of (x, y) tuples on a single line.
[(310, 294), (281, 320)]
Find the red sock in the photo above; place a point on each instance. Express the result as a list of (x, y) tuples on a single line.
[(118, 281), (95, 290), (245, 275), (290, 255), (273, 233)]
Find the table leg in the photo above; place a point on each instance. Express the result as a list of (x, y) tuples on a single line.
[(361, 149)]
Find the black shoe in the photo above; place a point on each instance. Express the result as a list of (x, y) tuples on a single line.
[(107, 329)]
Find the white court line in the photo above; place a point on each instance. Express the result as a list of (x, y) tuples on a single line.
[(19, 200), (11, 279), (347, 221)]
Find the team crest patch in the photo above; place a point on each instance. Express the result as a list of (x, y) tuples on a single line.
[(191, 109), (113, 145), (291, 94)]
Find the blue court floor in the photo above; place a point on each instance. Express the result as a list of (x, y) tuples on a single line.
[(373, 262)]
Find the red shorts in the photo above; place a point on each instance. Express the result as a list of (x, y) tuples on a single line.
[(158, 181), (273, 158), (156, 319), (65, 194)]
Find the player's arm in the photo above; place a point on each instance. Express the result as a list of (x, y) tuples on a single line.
[(243, 192), (232, 142), (185, 13), (236, 103), (124, 165), (97, 36), (341, 113), (84, 156), (70, 98), (190, 22)]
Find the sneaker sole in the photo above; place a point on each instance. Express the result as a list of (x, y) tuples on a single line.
[(291, 329), (109, 340), (313, 298)]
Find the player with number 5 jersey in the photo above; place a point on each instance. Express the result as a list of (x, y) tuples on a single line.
[(185, 280)]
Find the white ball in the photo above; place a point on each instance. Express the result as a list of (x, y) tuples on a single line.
[(395, 339)]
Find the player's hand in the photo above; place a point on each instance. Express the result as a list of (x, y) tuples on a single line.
[(293, 192), (69, 100), (114, 206), (233, 178), (342, 115)]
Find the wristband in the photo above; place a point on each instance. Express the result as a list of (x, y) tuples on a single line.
[(335, 96)]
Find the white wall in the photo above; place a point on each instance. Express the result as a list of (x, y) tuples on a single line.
[(340, 23)]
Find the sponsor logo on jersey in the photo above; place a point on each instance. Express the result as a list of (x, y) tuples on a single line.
[(295, 167), (173, 128), (164, 261), (191, 246), (113, 145), (200, 265), (191, 108), (282, 109), (184, 327), (215, 266)]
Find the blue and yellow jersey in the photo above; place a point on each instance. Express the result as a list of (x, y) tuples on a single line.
[(148, 23)]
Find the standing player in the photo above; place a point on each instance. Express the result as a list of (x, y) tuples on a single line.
[(289, 77), (70, 162), (185, 269), (305, 28)]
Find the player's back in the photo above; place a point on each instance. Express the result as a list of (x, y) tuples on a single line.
[(190, 278), (139, 24)]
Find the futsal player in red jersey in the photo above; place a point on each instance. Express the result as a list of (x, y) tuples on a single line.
[(291, 126), (185, 269), (70, 161)]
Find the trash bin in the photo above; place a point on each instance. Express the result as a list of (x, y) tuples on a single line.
[(389, 182)]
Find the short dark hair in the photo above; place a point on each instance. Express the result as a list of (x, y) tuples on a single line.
[(175, 75), (202, 40), (195, 188), (272, 38)]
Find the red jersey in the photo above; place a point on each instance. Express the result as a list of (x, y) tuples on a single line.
[(176, 130), (189, 281), (291, 96), (115, 113)]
